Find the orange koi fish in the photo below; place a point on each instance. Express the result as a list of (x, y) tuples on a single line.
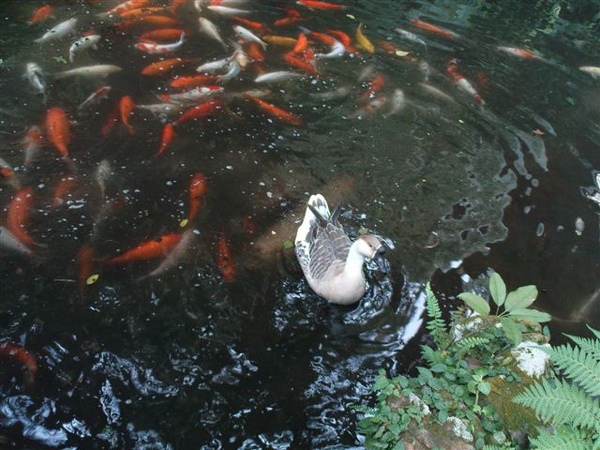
[(126, 106), (197, 190), (21, 356), (275, 111), (162, 34), (344, 38), (301, 44), (200, 111), (147, 250), (41, 14), (84, 261), (300, 64), (254, 52), (375, 87), (58, 130), (168, 136), (158, 21), (315, 4), (280, 41), (140, 12), (111, 120), (194, 80), (62, 189), (257, 27), (434, 29), (127, 6), (225, 262), (160, 68), (19, 213)]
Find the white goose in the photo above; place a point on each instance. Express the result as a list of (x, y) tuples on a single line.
[(331, 262)]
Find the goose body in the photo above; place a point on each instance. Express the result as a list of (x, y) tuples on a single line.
[(331, 262)]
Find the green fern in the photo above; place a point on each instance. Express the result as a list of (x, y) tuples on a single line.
[(567, 439), (578, 365), (471, 342), (436, 324), (588, 345), (561, 403)]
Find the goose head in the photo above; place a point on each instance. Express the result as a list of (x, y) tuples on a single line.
[(370, 247)]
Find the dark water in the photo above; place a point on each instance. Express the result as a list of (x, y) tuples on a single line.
[(188, 360)]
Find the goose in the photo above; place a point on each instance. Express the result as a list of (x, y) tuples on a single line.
[(332, 264)]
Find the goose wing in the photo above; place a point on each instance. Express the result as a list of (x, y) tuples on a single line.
[(329, 249)]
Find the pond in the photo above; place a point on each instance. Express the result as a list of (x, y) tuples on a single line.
[(468, 137)]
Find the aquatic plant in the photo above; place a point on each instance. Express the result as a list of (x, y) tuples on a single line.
[(457, 394), (569, 405)]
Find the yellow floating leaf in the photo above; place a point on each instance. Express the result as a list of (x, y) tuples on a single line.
[(350, 16), (401, 53), (184, 223), (92, 279)]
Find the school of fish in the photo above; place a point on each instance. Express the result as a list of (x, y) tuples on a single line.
[(241, 78)]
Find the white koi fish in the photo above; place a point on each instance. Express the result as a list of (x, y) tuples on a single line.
[(97, 70), (397, 102), (59, 31), (411, 37), (200, 93), (210, 30), (11, 243), (35, 76), (592, 70), (337, 51), (248, 35), (214, 66), (82, 44), (279, 76), (228, 11), (101, 175), (233, 71), (151, 47)]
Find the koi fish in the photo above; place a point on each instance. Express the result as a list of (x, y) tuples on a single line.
[(41, 14), (125, 6), (157, 21), (233, 70), (145, 11), (7, 172), (200, 93), (59, 31), (279, 76), (397, 102), (411, 37), (520, 53), (126, 107), (82, 44), (152, 249), (300, 64), (253, 25), (461, 82), (225, 262), (36, 78), (95, 97), (19, 213), (254, 52), (280, 41), (154, 48), (161, 68), (102, 175), (97, 70), (248, 35), (214, 66), (9, 242), (63, 188), (338, 49), (592, 70), (314, 4), (275, 111), (21, 356), (197, 190), (58, 130), (375, 105), (200, 111), (175, 256), (168, 136), (228, 10), (195, 80), (362, 41), (164, 34), (375, 87), (210, 30), (32, 143), (434, 29)]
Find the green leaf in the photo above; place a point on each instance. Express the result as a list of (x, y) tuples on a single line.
[(511, 330), (531, 315), (475, 302), (521, 297), (288, 244), (497, 289)]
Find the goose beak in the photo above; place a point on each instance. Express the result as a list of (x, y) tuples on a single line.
[(379, 258)]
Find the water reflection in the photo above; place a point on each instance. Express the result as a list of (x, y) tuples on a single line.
[(146, 358)]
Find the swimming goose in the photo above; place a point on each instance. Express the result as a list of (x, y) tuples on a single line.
[(331, 262)]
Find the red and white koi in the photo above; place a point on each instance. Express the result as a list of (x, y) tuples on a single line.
[(461, 82), (59, 31), (82, 44), (125, 6), (97, 96), (434, 29), (370, 108), (520, 53), (182, 249), (153, 47)]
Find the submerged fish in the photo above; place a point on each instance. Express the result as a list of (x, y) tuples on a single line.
[(36, 78), (82, 44), (59, 31), (97, 70)]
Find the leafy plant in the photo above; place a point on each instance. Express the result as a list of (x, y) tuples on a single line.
[(569, 405), (510, 308)]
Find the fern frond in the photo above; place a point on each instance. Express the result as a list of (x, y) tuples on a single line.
[(578, 365), (591, 346), (561, 403), (563, 439), (470, 342), (436, 324)]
